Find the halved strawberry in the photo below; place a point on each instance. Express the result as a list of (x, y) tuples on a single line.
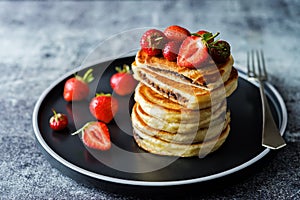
[(193, 51), (95, 135)]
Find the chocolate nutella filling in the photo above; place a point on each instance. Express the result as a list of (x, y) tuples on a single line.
[(168, 93)]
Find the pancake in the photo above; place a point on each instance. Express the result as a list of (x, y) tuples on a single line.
[(188, 96), (206, 75), (181, 127), (157, 146), (158, 106), (181, 137)]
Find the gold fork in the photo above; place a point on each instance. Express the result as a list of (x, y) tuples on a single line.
[(271, 137)]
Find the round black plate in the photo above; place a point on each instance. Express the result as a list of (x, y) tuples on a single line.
[(241, 149)]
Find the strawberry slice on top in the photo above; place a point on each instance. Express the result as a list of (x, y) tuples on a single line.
[(192, 52)]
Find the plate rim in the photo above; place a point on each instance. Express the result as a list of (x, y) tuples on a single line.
[(101, 177)]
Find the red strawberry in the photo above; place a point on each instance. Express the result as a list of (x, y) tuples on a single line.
[(95, 135), (153, 41), (170, 50), (103, 107), (123, 82), (76, 88), (176, 33), (58, 121), (220, 51), (192, 52)]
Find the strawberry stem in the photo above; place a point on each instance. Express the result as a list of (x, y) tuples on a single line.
[(81, 129), (55, 114), (159, 38), (102, 94), (88, 76), (204, 36), (125, 69), (213, 36)]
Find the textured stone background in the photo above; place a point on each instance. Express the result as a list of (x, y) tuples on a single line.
[(40, 41)]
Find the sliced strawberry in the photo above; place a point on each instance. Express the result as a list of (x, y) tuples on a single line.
[(176, 33), (95, 135), (192, 52)]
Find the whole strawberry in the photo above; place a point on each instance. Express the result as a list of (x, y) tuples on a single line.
[(76, 88), (152, 42), (170, 50), (103, 107), (95, 135), (176, 33), (220, 51), (123, 82), (58, 121)]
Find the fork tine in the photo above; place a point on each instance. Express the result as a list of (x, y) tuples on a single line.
[(260, 75), (250, 64), (253, 63), (265, 74)]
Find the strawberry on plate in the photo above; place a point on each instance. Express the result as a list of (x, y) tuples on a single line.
[(95, 135), (76, 88), (58, 121), (153, 41), (103, 107), (176, 33), (123, 82)]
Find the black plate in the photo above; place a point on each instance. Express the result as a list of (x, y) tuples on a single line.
[(241, 149)]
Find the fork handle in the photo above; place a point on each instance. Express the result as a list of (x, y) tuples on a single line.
[(271, 137)]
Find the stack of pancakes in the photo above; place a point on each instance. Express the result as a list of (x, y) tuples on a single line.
[(181, 111)]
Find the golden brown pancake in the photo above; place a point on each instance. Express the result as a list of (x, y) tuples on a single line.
[(188, 96), (202, 76), (158, 106), (185, 134), (157, 146), (184, 127)]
